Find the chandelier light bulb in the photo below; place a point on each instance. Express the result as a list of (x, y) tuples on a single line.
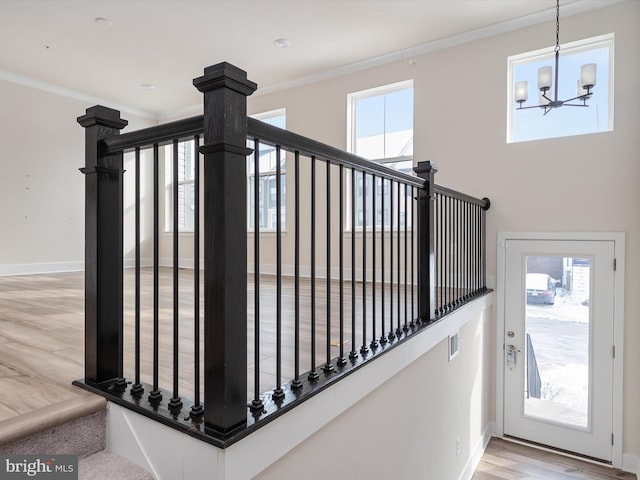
[(544, 78), (522, 91), (588, 75)]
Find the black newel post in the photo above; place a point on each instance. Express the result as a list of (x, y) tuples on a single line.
[(426, 242), (103, 249), (225, 89)]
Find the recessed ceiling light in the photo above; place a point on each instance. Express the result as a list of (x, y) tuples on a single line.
[(147, 86), (103, 21), (281, 42)]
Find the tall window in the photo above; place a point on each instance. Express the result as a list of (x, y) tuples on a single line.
[(267, 163), (380, 128), (187, 156), (531, 124)]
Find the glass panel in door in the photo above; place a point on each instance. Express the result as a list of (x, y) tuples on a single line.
[(556, 347)]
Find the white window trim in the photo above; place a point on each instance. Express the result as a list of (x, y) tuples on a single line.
[(351, 112), (566, 48), (351, 139), (168, 187), (263, 230)]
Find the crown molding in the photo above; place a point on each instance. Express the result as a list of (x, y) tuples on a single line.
[(568, 10), (74, 94)]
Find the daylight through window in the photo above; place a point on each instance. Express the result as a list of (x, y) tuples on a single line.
[(531, 124), (187, 155), (381, 129), (267, 183)]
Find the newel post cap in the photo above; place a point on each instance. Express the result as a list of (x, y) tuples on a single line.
[(425, 168), (225, 75), (105, 116)]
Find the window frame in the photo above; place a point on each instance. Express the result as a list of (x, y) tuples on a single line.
[(391, 162), (168, 185), (578, 46), (262, 116)]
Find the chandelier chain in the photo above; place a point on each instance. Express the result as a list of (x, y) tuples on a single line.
[(557, 49)]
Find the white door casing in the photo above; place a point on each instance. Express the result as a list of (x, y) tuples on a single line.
[(605, 330)]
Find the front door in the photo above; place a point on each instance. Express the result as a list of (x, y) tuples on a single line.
[(558, 344)]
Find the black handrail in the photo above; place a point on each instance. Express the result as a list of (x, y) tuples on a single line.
[(485, 203), (293, 142), (268, 134), (164, 133)]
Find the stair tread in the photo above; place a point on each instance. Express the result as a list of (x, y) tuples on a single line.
[(38, 421), (107, 466)]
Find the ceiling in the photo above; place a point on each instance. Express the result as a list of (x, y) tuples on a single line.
[(59, 45)]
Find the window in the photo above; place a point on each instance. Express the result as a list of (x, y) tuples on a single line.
[(380, 128), (187, 155), (267, 183), (531, 124)]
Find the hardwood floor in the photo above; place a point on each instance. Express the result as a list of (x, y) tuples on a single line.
[(504, 460), (42, 352), (42, 333)]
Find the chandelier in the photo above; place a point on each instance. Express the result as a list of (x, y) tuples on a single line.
[(546, 82)]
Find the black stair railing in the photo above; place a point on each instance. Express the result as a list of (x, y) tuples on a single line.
[(385, 255)]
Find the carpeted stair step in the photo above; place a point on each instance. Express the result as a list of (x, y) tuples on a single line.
[(74, 427)]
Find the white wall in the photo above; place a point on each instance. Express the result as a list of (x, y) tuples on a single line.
[(408, 427), (41, 189), (397, 417), (586, 183)]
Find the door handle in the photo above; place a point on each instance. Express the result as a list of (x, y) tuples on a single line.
[(512, 352)]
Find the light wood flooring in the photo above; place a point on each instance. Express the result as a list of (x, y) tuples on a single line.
[(504, 460), (42, 349), (42, 333)]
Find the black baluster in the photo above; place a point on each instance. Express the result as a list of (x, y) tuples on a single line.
[(296, 383), (155, 396), (313, 375), (136, 388), (392, 334), (175, 403), (256, 403), (278, 392), (197, 410), (328, 367), (354, 353), (364, 348), (406, 268), (341, 358), (383, 337)]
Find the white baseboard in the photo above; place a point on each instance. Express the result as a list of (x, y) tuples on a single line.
[(631, 463), (477, 452), (40, 268)]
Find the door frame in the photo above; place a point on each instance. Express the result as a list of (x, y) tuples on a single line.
[(618, 322)]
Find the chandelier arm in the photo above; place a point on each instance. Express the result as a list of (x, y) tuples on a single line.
[(575, 105), (579, 97), (530, 106)]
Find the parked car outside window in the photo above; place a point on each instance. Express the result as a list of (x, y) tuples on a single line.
[(541, 288)]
